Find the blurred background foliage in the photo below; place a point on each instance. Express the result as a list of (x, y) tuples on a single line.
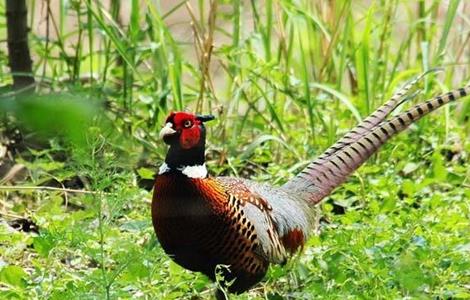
[(285, 79)]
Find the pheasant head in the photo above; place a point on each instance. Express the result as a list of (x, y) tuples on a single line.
[(186, 135)]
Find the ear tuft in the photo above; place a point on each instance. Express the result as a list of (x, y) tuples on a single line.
[(205, 118)]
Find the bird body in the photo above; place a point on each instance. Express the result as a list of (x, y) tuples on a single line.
[(202, 221), (205, 222)]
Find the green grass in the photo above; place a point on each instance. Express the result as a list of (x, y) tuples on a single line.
[(285, 80)]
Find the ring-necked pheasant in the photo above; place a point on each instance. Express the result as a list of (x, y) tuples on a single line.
[(203, 221)]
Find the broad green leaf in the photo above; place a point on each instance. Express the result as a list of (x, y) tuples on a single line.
[(13, 275)]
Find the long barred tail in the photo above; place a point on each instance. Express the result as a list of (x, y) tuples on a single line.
[(322, 176), (373, 119)]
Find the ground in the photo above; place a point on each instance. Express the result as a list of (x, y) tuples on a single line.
[(285, 79)]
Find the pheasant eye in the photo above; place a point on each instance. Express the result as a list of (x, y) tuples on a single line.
[(187, 124)]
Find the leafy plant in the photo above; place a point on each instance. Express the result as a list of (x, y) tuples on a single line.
[(285, 80)]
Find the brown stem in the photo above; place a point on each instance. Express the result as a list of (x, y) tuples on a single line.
[(19, 57)]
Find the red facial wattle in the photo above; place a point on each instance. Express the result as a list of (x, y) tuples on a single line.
[(188, 127), (190, 137)]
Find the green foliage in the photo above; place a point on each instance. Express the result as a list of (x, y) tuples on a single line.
[(68, 116), (285, 80)]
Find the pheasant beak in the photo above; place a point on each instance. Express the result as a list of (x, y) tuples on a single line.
[(167, 130)]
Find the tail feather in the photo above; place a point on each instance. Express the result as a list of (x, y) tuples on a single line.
[(373, 119), (321, 177)]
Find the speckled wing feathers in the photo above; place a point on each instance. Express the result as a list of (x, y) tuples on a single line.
[(258, 212), (279, 217)]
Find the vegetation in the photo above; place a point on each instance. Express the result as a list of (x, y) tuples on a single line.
[(285, 79)]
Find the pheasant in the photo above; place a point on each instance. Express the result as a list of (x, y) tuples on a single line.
[(203, 222)]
